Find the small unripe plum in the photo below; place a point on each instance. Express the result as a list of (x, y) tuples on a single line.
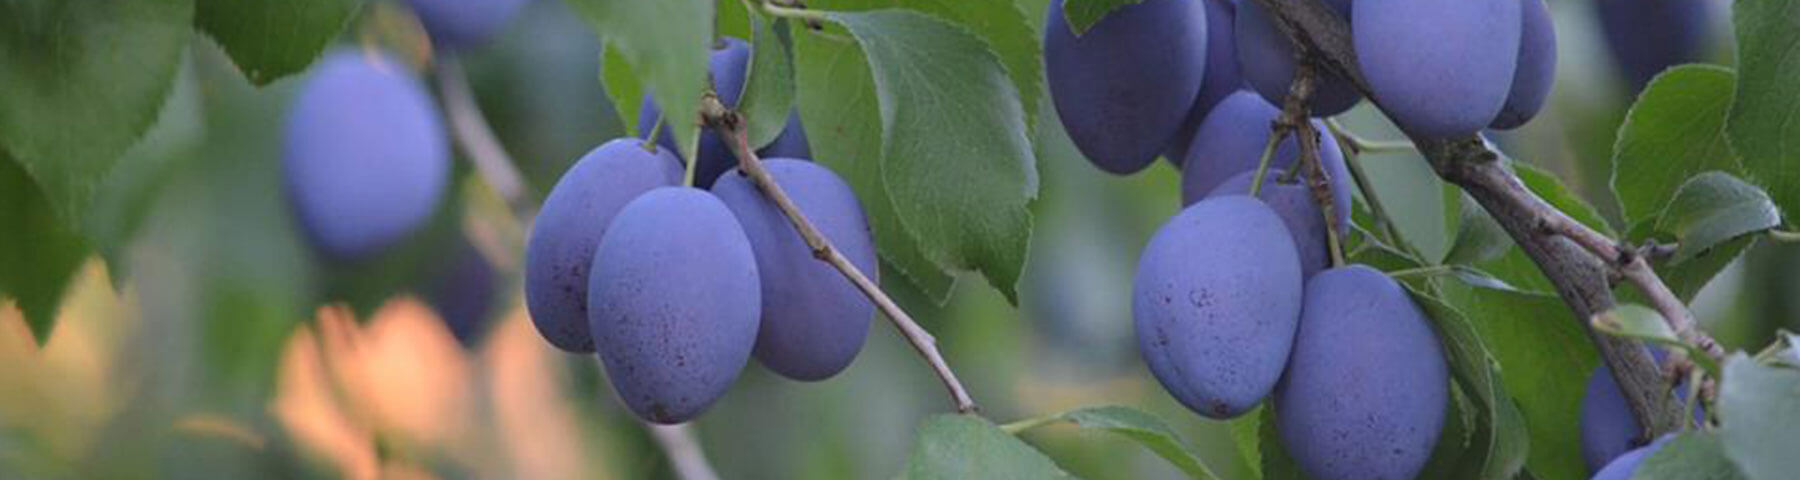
[(1649, 36), (674, 300), (1627, 464), (1608, 427), (1221, 75), (569, 227), (1231, 142), (1366, 389), (1215, 302), (365, 160), (1294, 203), (1536, 72), (459, 24), (729, 64), (1439, 68), (1123, 87), (813, 320), (1266, 61)]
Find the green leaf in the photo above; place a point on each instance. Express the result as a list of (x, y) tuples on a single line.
[(1689, 456), (1008, 34), (623, 88), (40, 254), (1083, 14), (769, 86), (733, 19), (1479, 237), (955, 155), (956, 447), (667, 44), (1500, 445), (1545, 356), (837, 103), (1276, 464), (83, 80), (1143, 428), (270, 39), (1675, 130), (127, 192), (1245, 432), (1715, 207), (1642, 323), (1765, 117), (1759, 417)]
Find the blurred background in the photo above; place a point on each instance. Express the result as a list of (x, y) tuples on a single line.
[(217, 345)]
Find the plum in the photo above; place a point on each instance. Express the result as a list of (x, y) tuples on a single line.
[(1123, 87), (1215, 302), (813, 320), (1266, 61), (1646, 37), (1627, 464), (1536, 73), (674, 301), (1294, 203), (1221, 75), (1366, 388), (1231, 141), (1608, 427), (569, 227), (461, 24), (365, 160), (1438, 68)]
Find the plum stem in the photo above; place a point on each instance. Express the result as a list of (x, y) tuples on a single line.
[(1383, 220), (685, 454), (1577, 260), (470, 129), (1262, 166), (793, 9), (1293, 120), (730, 126)]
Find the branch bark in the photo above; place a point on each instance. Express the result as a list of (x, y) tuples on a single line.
[(730, 126), (1580, 277), (477, 141), (685, 455)]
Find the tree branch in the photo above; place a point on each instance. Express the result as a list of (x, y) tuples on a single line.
[(1580, 277), (477, 141), (730, 126)]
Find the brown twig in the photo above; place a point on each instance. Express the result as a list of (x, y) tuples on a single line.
[(1580, 276), (472, 133), (730, 126)]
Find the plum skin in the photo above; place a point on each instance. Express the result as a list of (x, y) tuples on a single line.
[(1215, 303), (1536, 73), (674, 303), (570, 225), (1608, 428), (1366, 388), (1294, 203), (1623, 467), (1231, 141), (814, 321), (1266, 62), (463, 293), (1438, 68), (461, 24), (1647, 36), (1222, 76), (1123, 87), (365, 160)]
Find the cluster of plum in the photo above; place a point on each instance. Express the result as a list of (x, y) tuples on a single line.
[(1235, 298), (677, 287)]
